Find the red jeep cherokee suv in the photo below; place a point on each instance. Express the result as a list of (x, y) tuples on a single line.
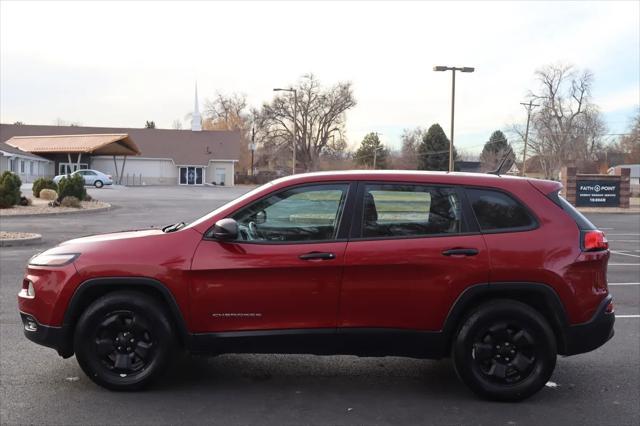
[(500, 273)]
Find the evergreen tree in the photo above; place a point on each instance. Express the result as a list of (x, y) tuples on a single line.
[(365, 153), (494, 150), (433, 152), (150, 125)]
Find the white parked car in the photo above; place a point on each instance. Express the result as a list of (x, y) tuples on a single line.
[(91, 177)]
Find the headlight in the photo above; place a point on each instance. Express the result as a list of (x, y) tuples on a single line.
[(58, 259)]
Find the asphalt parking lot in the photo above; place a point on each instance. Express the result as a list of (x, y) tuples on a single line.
[(39, 387)]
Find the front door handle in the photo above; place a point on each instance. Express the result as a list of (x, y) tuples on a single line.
[(460, 252), (316, 255)]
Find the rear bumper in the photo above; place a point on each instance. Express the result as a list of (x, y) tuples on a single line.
[(51, 337), (592, 334)]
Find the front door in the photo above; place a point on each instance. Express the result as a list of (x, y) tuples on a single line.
[(411, 256), (283, 271), (191, 176)]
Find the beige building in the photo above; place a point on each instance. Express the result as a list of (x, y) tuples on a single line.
[(166, 157)]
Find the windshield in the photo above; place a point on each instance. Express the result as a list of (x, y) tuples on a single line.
[(237, 201)]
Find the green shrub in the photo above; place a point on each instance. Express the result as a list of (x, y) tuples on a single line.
[(70, 201), (72, 186), (48, 194), (43, 183), (11, 192), (6, 198)]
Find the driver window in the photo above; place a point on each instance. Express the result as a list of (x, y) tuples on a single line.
[(308, 213)]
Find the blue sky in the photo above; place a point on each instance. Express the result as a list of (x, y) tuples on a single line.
[(120, 64)]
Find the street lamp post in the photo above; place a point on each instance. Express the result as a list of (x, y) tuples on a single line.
[(453, 101), (252, 146), (295, 122)]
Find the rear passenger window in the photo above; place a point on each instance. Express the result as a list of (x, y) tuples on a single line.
[(396, 210), (496, 210)]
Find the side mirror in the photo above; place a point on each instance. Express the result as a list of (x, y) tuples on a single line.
[(225, 229), (261, 217)]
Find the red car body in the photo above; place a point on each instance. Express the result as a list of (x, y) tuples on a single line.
[(246, 296)]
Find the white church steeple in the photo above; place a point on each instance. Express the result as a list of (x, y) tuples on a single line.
[(196, 120)]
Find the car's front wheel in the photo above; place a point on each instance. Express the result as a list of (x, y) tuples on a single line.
[(505, 350), (98, 184), (124, 340)]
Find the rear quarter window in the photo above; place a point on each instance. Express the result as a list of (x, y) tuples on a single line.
[(496, 211)]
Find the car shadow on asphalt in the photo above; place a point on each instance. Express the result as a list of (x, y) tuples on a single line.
[(348, 374)]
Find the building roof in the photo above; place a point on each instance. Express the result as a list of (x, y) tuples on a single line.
[(468, 166), (10, 150), (185, 147), (100, 144)]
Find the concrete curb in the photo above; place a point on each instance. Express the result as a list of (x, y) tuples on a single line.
[(35, 239), (609, 210), (79, 211)]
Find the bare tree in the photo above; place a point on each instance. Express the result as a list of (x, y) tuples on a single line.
[(566, 127), (408, 155), (177, 124), (230, 112), (320, 116)]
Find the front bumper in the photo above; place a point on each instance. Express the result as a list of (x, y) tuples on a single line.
[(592, 334), (51, 337)]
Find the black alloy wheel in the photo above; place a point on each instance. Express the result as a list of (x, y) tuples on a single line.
[(124, 340), (504, 353), (505, 350)]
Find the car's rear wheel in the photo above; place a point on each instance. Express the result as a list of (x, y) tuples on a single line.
[(124, 340), (505, 350), (98, 184)]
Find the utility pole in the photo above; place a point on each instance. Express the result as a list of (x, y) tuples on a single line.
[(529, 106), (375, 151)]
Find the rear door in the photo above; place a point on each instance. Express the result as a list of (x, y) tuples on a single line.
[(411, 254)]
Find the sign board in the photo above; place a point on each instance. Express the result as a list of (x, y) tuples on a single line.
[(597, 193)]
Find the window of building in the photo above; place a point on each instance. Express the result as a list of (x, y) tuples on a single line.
[(21, 166), (399, 210), (309, 213), (191, 175), (496, 210), (31, 168)]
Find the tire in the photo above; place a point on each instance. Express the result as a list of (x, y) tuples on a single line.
[(98, 184), (505, 351), (111, 323)]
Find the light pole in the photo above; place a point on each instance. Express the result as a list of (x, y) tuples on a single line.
[(453, 100), (252, 146), (295, 122)]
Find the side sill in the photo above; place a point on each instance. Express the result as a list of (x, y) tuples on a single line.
[(366, 342)]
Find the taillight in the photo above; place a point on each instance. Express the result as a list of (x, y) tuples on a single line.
[(109, 176), (594, 241)]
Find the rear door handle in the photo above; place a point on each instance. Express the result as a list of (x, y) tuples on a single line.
[(316, 255), (460, 252)]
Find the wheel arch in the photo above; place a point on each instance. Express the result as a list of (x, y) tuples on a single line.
[(541, 297), (91, 289)]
